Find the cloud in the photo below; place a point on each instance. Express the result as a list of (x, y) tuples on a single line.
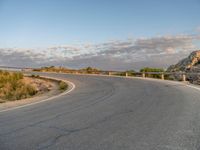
[(150, 46), (159, 51)]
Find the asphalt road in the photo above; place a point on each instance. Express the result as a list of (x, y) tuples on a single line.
[(105, 113)]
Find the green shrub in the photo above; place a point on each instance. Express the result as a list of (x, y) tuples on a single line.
[(147, 69), (35, 76), (63, 85), (30, 90), (131, 72)]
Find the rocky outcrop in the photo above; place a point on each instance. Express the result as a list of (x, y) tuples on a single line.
[(190, 65)]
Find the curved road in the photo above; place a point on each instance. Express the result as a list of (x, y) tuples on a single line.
[(107, 114)]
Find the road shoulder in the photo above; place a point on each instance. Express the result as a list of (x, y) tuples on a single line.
[(52, 94)]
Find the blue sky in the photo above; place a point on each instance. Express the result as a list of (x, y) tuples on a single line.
[(37, 23), (40, 24)]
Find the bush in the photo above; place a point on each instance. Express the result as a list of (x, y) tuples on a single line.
[(131, 72), (147, 69), (12, 86), (63, 85), (35, 76), (22, 90)]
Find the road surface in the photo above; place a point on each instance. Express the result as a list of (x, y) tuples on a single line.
[(107, 113)]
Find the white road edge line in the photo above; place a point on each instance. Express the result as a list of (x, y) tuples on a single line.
[(48, 99), (74, 86), (194, 87), (170, 81)]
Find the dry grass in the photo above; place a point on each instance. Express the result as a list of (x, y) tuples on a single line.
[(13, 87)]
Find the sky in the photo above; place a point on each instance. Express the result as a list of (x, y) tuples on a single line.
[(108, 34)]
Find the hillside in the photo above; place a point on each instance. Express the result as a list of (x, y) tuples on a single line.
[(189, 64)]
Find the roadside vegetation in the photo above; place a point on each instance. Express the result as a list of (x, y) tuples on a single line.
[(63, 86), (91, 70), (147, 69), (16, 86), (12, 87), (51, 69), (131, 72), (88, 70), (35, 76)]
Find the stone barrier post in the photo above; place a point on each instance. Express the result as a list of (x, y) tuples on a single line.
[(162, 76), (126, 74), (184, 77), (143, 74)]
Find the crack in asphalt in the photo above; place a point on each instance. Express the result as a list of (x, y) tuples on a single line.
[(97, 100), (68, 132), (136, 118)]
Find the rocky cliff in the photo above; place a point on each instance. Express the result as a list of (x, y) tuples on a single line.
[(189, 64)]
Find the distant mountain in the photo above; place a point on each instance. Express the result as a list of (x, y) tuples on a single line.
[(189, 64)]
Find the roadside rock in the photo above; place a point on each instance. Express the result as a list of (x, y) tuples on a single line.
[(191, 64)]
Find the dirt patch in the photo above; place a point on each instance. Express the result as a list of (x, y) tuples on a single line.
[(41, 85)]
